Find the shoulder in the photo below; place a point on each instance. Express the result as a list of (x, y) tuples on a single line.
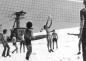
[(83, 10), (29, 30)]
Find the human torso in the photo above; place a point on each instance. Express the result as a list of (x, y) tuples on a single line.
[(14, 39), (54, 35), (27, 36), (5, 37), (48, 33), (83, 12)]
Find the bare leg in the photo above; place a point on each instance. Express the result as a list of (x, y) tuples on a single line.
[(53, 43), (3, 54), (8, 50), (20, 46), (23, 47), (29, 51), (16, 49), (79, 44), (56, 44), (48, 45), (84, 51), (51, 50)]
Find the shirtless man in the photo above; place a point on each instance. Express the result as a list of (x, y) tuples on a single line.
[(54, 38), (46, 28)]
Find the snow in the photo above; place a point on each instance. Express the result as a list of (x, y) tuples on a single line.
[(67, 48)]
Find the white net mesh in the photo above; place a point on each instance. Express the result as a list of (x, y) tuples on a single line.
[(65, 13)]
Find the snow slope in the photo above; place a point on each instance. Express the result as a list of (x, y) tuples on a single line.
[(67, 49)]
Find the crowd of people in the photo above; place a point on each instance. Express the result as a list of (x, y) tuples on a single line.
[(26, 39), (51, 39)]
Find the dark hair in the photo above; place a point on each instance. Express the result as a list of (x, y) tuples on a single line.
[(4, 31), (54, 30), (84, 2), (29, 25)]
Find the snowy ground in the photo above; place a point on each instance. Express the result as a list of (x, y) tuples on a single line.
[(67, 49)]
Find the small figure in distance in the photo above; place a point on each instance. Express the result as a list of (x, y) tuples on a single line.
[(54, 38)]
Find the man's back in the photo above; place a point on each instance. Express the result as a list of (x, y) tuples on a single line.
[(28, 36), (83, 16)]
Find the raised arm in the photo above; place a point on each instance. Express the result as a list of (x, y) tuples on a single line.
[(47, 21), (50, 24), (14, 24)]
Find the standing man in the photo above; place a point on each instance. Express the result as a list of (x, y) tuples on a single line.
[(28, 35), (79, 46), (83, 30), (5, 44), (54, 38)]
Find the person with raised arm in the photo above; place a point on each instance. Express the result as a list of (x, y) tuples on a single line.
[(46, 28)]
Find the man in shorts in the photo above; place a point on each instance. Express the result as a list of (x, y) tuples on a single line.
[(54, 38), (28, 35)]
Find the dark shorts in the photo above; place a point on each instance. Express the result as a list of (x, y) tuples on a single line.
[(22, 42), (14, 43), (54, 39)]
